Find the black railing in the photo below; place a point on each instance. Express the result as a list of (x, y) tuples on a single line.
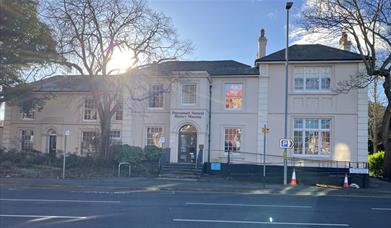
[(257, 159)]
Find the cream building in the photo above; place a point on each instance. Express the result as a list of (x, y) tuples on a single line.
[(222, 105)]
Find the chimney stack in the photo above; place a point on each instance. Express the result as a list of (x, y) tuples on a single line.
[(344, 43), (262, 44)]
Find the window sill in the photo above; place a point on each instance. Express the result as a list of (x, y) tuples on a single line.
[(315, 156), (313, 93)]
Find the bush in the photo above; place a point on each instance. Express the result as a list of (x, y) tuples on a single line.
[(125, 153), (152, 153), (375, 161)]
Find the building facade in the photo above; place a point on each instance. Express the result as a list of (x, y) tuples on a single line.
[(222, 105)]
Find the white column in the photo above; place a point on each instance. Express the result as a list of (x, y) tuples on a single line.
[(7, 127), (262, 105), (362, 124)]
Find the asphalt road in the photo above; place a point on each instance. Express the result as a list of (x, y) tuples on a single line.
[(64, 208)]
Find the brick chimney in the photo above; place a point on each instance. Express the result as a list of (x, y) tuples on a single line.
[(262, 44), (344, 43)]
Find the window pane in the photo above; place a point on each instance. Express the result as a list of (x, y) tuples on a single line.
[(90, 112), (325, 147), (325, 83), (90, 141), (325, 124), (299, 83), (298, 139), (232, 139), (233, 96), (311, 142), (298, 123), (311, 124), (312, 83), (189, 94), (27, 138), (153, 136), (156, 96)]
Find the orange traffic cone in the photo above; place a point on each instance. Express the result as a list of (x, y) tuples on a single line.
[(294, 181), (345, 182)]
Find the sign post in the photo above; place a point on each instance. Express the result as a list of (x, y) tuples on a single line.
[(265, 130), (66, 134)]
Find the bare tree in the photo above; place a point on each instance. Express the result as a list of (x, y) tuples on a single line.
[(368, 22), (89, 32)]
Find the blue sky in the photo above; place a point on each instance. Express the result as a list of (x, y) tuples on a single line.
[(228, 29)]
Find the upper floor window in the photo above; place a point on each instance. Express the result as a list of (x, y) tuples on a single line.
[(232, 139), (189, 94), (119, 113), (29, 115), (312, 78), (233, 96), (27, 138), (312, 136), (90, 112), (153, 136), (156, 96)]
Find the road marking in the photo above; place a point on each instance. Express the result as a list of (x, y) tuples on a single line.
[(45, 216), (259, 222), (381, 209), (61, 201), (248, 205)]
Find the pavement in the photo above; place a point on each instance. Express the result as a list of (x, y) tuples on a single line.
[(150, 202)]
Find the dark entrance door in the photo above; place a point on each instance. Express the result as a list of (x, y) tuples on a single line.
[(187, 147), (52, 143)]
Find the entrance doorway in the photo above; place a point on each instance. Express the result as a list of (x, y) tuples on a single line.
[(187, 144), (52, 143)]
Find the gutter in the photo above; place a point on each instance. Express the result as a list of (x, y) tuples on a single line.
[(210, 116)]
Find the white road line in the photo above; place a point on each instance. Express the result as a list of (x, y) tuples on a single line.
[(248, 205), (45, 216), (381, 209), (58, 200), (258, 222)]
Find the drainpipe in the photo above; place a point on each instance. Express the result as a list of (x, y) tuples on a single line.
[(210, 116)]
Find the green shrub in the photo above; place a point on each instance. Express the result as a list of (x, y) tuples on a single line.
[(375, 161), (152, 153), (126, 153)]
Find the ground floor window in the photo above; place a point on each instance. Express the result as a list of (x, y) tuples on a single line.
[(27, 137), (90, 141), (153, 136), (115, 137), (312, 136), (232, 139)]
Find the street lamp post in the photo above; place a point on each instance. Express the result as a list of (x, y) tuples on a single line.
[(287, 7)]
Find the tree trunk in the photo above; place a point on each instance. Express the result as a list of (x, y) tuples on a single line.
[(105, 128), (386, 130)]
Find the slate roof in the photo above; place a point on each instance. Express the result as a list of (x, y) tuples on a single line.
[(79, 83), (219, 67), (310, 52)]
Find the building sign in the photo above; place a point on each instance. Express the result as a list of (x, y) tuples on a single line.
[(358, 170), (188, 114), (215, 166)]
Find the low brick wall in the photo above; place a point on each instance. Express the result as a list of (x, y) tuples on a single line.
[(274, 174)]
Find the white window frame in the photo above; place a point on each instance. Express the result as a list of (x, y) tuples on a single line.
[(94, 111), (151, 96), (240, 140), (225, 96), (115, 138), (22, 141), (146, 135), (195, 94), (24, 115), (304, 75), (90, 149), (319, 130)]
